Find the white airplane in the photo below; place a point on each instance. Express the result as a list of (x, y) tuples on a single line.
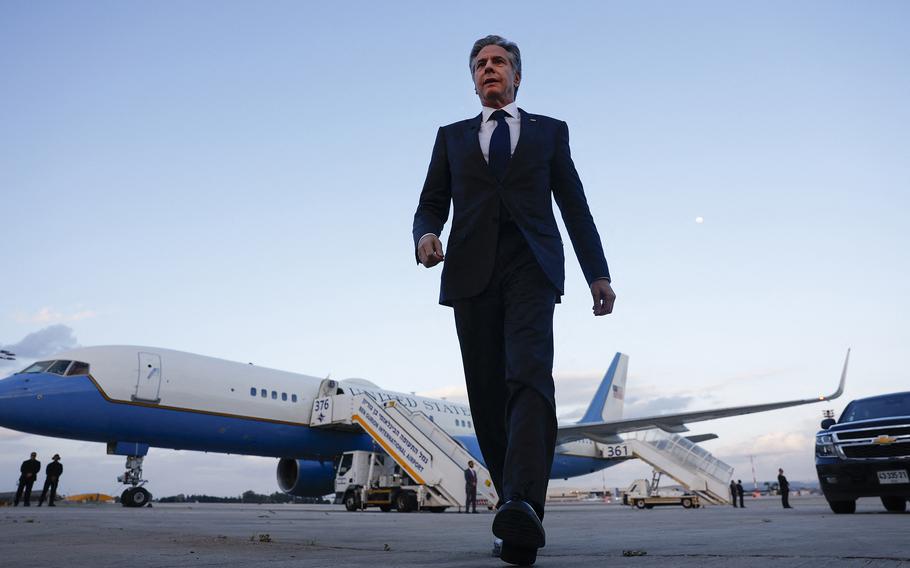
[(132, 398)]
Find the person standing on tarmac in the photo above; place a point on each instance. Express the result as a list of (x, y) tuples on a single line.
[(740, 492), (733, 493), (470, 487), (28, 473), (784, 489), (52, 474)]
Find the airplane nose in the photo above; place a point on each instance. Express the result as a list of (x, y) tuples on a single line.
[(15, 392)]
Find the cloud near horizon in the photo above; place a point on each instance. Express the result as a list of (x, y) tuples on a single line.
[(47, 341)]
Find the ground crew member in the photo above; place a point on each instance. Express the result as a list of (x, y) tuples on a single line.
[(784, 489), (52, 474), (470, 487), (28, 473)]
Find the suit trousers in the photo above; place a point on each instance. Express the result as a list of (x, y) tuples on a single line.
[(49, 483), (25, 486), (470, 493), (506, 339)]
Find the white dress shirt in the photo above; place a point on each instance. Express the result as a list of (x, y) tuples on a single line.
[(487, 127)]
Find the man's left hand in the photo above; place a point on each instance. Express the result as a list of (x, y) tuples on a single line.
[(603, 296)]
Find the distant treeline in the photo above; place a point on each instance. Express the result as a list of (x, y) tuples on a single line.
[(246, 497)]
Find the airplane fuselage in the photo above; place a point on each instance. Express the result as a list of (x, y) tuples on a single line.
[(170, 399)]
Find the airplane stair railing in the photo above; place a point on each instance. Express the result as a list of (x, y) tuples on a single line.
[(688, 463), (425, 451)]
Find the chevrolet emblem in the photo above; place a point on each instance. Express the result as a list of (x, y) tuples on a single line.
[(883, 439)]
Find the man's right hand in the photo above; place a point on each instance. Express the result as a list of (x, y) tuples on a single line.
[(429, 251)]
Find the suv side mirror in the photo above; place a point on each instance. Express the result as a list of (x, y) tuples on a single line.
[(828, 422)]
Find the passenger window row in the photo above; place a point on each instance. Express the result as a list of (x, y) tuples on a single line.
[(264, 393), (463, 423)]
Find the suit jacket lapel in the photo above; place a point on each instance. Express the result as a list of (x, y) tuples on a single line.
[(472, 140)]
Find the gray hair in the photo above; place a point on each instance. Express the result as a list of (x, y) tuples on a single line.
[(510, 46)]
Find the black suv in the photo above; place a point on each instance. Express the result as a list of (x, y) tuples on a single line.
[(866, 453)]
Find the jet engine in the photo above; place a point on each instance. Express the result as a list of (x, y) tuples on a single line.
[(306, 478)]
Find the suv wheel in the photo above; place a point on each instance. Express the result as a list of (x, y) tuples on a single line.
[(843, 507), (894, 504)]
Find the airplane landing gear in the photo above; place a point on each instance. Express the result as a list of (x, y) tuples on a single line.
[(135, 496)]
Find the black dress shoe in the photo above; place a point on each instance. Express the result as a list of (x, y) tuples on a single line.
[(517, 524), (517, 555)]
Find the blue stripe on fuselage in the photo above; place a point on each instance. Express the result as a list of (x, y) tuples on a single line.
[(72, 407)]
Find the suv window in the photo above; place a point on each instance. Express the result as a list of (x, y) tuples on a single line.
[(882, 407)]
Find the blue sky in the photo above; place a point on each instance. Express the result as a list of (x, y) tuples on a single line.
[(238, 180)]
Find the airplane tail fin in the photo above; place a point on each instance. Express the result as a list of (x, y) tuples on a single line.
[(608, 400)]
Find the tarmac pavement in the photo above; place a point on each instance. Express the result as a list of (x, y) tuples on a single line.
[(583, 534)]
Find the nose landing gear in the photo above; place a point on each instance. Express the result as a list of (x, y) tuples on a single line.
[(135, 496)]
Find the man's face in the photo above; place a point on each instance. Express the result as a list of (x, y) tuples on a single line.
[(34, 455), (471, 464), (494, 77)]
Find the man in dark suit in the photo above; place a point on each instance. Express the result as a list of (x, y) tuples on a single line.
[(784, 486), (503, 274), (28, 473), (470, 487), (740, 492), (733, 493), (52, 474)]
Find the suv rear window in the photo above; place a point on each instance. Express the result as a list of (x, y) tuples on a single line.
[(881, 407)]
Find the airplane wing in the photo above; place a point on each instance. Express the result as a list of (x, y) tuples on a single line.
[(608, 431)]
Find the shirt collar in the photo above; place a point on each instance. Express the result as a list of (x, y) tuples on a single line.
[(511, 108)]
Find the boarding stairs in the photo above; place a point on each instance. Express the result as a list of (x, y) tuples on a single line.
[(432, 458), (686, 462)]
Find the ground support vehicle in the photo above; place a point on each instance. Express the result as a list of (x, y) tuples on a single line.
[(373, 479), (647, 495), (866, 453), (415, 464)]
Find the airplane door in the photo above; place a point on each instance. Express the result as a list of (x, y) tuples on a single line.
[(148, 385)]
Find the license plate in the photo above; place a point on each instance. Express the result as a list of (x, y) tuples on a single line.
[(895, 476)]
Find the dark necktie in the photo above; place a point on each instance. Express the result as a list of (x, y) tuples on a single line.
[(500, 144)]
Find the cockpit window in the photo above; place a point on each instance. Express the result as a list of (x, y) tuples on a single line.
[(78, 368), (38, 367), (59, 367)]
